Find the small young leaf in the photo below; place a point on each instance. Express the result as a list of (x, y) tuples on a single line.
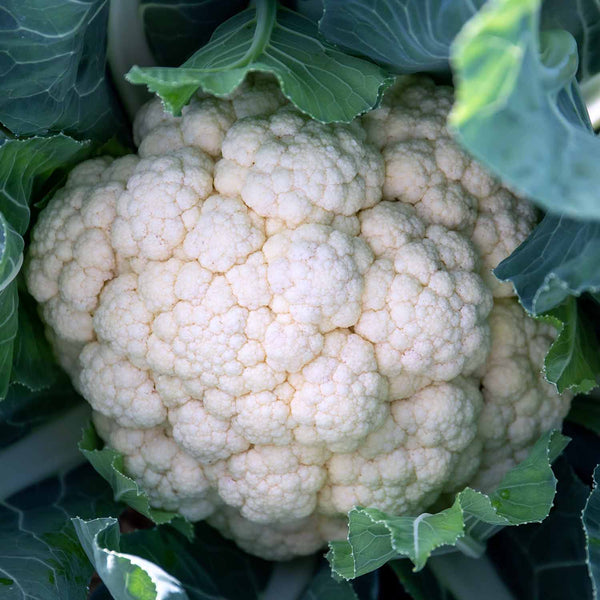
[(208, 567), (320, 80), (127, 577), (573, 361), (524, 496), (109, 463)]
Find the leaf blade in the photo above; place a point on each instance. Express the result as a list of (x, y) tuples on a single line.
[(524, 495), (320, 80)]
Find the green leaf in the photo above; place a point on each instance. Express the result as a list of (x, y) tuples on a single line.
[(573, 361), (208, 567), (585, 411), (591, 526), (524, 496), (559, 259), (41, 558), (127, 577), (109, 463), (320, 80), (176, 30), (53, 69), (403, 35), (518, 108), (544, 561)]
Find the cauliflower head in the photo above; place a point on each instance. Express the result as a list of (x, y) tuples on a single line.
[(276, 319)]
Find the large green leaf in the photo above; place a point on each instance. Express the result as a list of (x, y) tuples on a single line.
[(518, 109), (524, 496), (320, 80), (41, 558), (585, 411), (175, 30), (127, 577), (591, 526), (548, 561), (109, 463), (11, 258), (405, 35), (53, 66), (25, 167), (573, 361)]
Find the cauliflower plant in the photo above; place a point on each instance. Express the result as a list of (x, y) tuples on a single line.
[(276, 319)]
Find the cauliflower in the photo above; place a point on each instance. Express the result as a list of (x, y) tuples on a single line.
[(276, 319)]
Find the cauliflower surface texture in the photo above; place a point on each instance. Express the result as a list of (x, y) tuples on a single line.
[(275, 319)]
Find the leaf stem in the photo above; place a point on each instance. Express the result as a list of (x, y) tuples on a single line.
[(266, 13), (44, 452), (469, 579)]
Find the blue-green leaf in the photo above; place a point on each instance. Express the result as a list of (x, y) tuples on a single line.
[(41, 558), (524, 496), (559, 259), (591, 526), (53, 66), (175, 30), (109, 463), (33, 362), (518, 108), (323, 586), (407, 36), (24, 409), (582, 20), (11, 257), (25, 166), (585, 411), (320, 80)]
